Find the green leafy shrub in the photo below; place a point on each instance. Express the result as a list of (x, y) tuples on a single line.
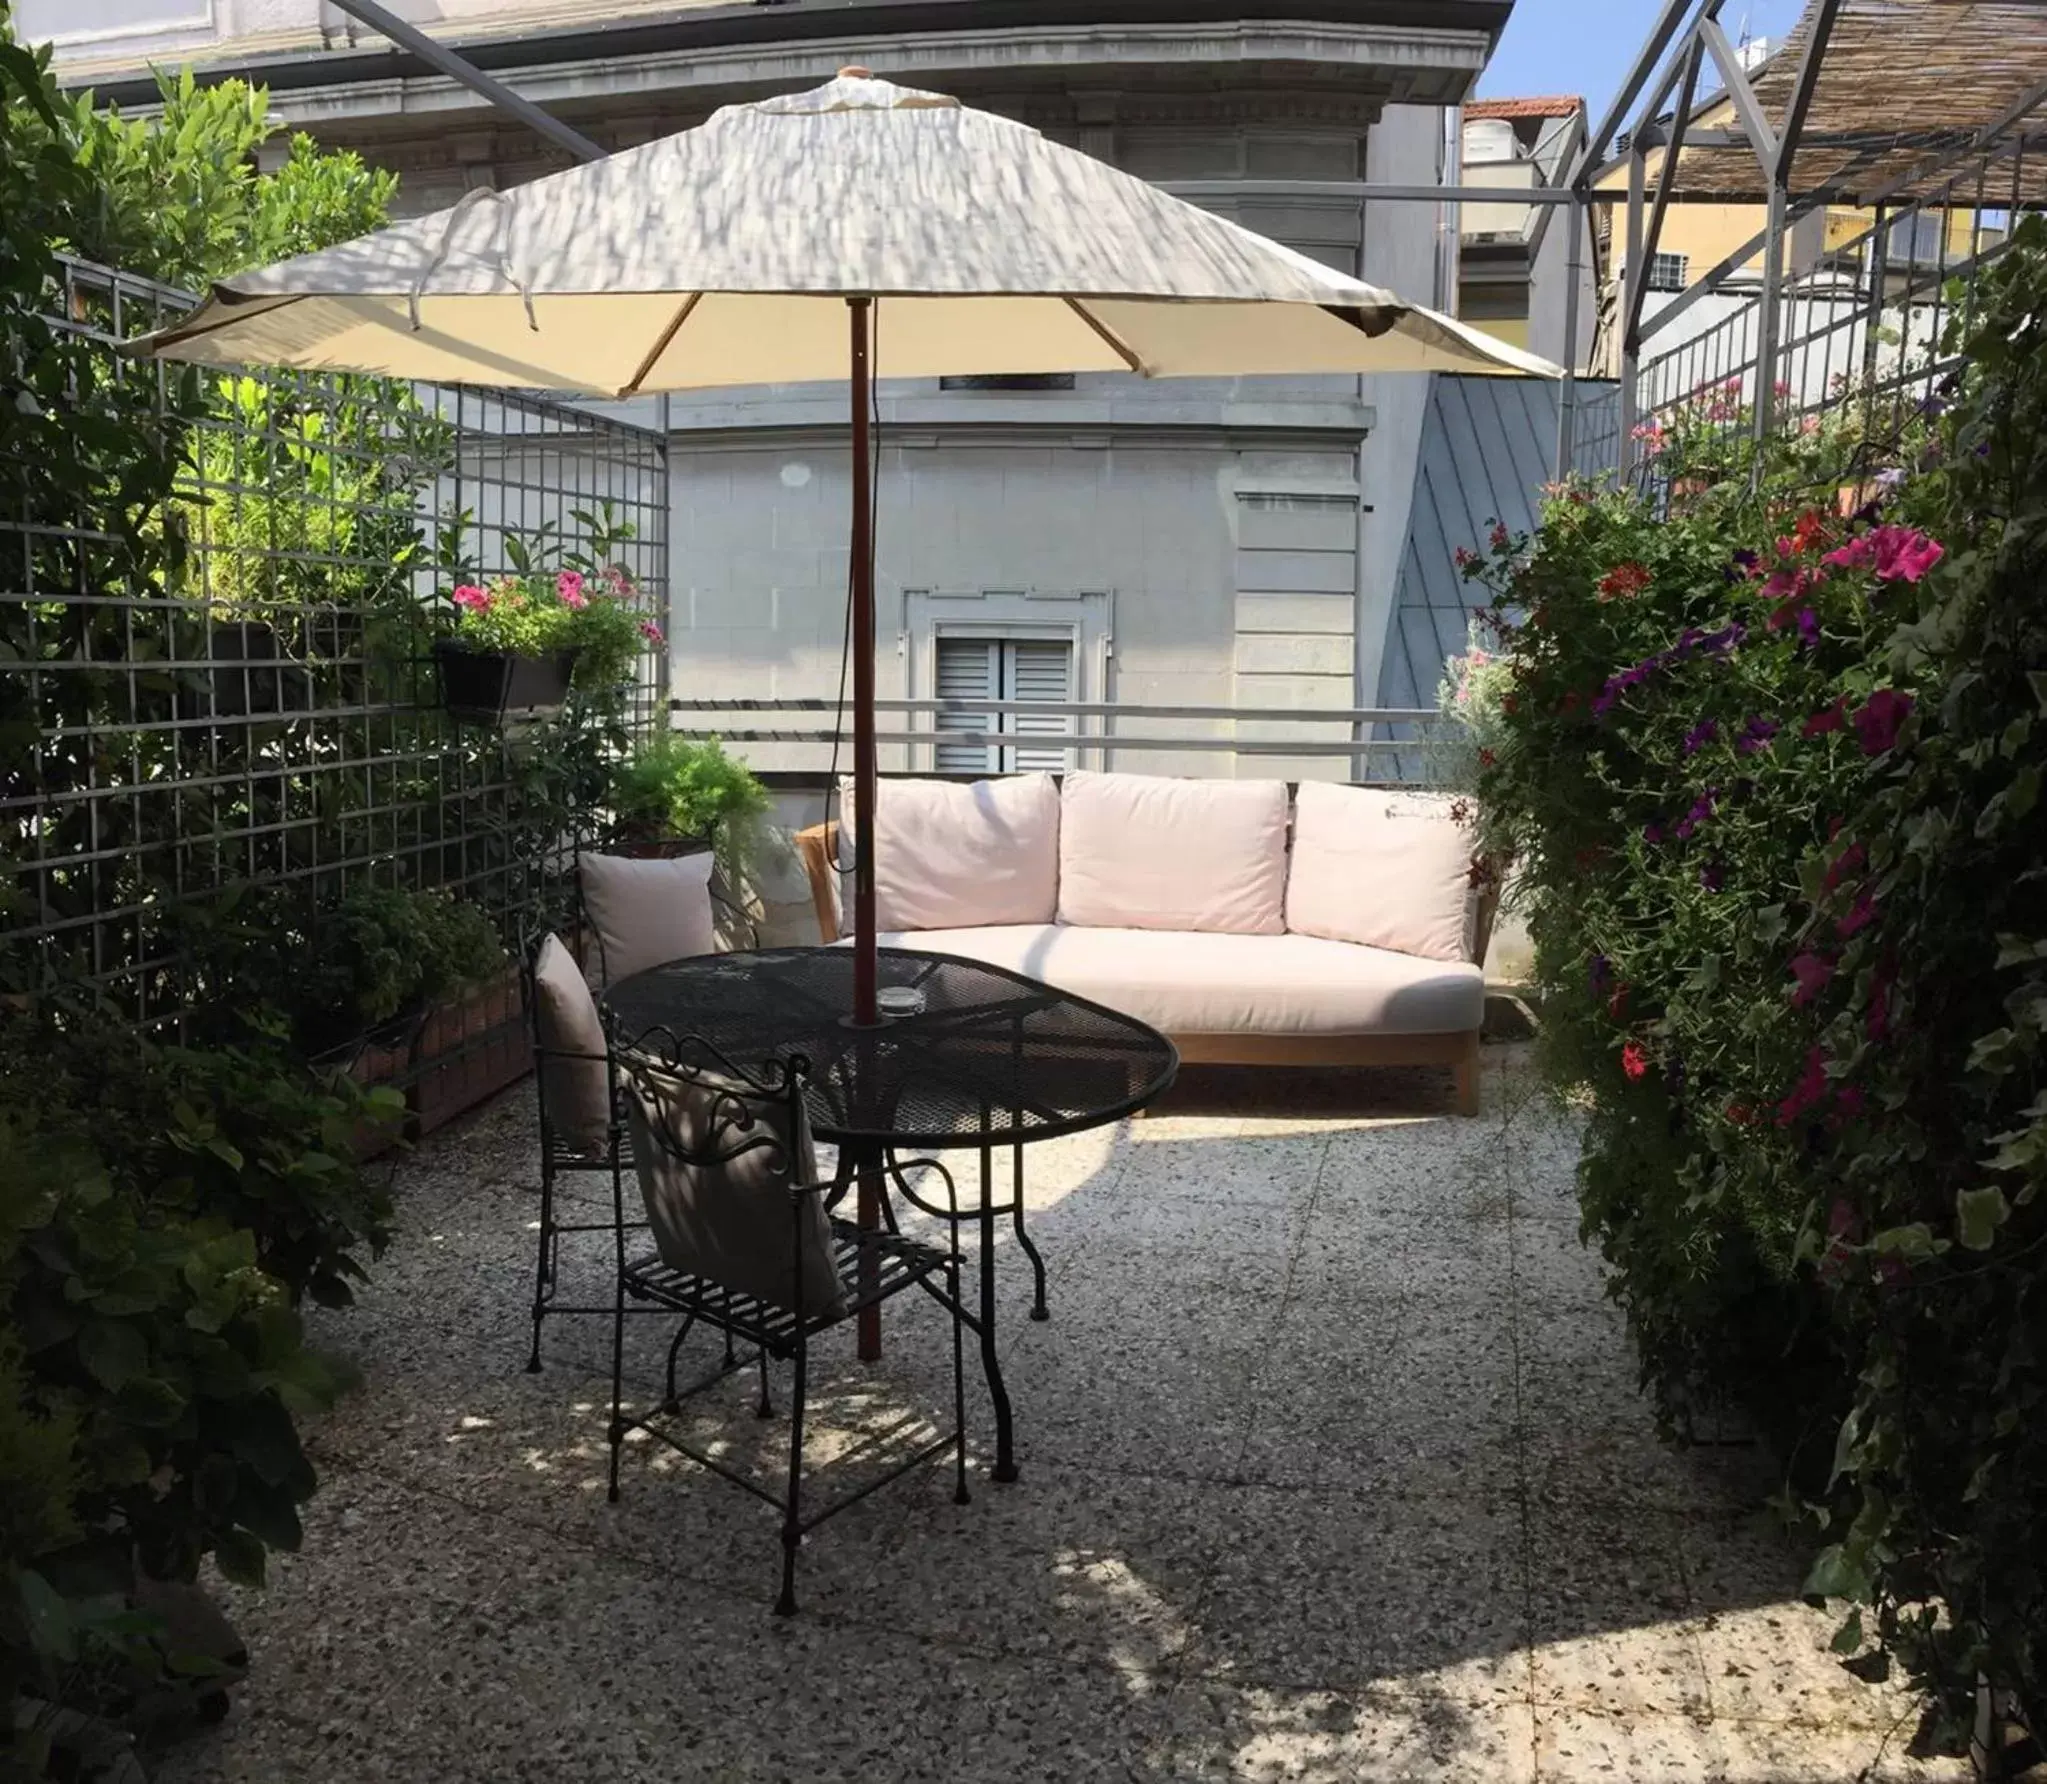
[(1771, 774), (274, 960), (676, 787)]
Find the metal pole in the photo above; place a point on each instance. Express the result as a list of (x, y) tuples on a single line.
[(444, 61), (1767, 320), (1631, 285), (865, 762), (1567, 393)]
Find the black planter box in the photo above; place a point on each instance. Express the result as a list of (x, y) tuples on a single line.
[(491, 686)]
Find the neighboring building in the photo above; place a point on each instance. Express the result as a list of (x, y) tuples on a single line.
[(1233, 543), (1516, 261)]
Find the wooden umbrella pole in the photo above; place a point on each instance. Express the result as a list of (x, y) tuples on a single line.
[(865, 764), (865, 773)]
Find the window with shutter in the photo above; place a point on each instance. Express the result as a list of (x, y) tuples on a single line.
[(1011, 669)]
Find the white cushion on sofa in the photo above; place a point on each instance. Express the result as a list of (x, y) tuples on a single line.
[(1186, 983), (948, 855), (1385, 869), (1139, 851)]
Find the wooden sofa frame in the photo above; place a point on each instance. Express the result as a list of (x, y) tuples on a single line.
[(819, 847)]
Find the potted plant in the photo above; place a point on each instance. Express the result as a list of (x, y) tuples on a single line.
[(675, 796), (521, 642), (382, 958)]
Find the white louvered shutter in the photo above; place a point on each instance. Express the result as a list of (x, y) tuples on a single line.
[(968, 669), (1037, 669)]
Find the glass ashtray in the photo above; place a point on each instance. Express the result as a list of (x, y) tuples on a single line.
[(899, 1000)]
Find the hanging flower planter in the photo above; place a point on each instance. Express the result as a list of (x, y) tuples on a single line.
[(491, 686), (520, 641)]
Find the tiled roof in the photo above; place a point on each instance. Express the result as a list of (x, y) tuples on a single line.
[(1561, 105)]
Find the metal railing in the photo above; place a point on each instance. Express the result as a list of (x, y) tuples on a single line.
[(1384, 743)]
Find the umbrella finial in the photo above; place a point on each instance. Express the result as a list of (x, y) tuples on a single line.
[(856, 71)]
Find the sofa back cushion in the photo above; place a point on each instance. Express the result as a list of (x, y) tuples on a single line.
[(1382, 868), (954, 856), (1139, 851), (646, 912)]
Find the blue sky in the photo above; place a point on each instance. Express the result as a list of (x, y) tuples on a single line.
[(1586, 46)]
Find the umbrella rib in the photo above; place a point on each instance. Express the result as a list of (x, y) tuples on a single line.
[(660, 345), (1108, 335), (191, 329)]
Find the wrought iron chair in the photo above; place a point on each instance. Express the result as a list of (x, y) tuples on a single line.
[(580, 1127), (744, 1242)]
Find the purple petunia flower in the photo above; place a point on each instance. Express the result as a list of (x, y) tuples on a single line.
[(1652, 833), (1599, 970), (1713, 876), (1702, 810), (1808, 627), (1755, 736), (1700, 735)]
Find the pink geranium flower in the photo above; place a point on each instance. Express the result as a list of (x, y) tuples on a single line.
[(471, 598), (651, 632)]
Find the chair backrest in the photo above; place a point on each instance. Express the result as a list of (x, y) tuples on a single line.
[(570, 1053), (645, 912), (721, 1153)]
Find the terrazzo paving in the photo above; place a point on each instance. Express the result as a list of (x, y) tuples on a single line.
[(1333, 1468)]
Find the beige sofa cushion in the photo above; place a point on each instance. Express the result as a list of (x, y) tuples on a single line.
[(1139, 851), (1186, 983), (1385, 869), (575, 1090), (647, 912), (950, 856)]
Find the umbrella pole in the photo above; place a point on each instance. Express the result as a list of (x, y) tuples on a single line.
[(865, 767), (865, 774)]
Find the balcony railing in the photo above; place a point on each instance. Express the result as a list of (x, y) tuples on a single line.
[(1367, 743)]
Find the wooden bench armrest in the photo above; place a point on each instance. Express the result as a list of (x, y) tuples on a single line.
[(819, 847)]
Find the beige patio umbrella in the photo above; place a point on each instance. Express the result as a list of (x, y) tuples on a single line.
[(859, 228)]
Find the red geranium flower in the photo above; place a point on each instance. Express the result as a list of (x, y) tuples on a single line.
[(1634, 1061), (1623, 579)]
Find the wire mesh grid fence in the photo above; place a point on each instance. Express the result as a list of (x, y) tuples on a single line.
[(260, 706), (1868, 306)]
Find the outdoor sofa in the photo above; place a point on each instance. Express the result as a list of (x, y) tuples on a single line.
[(1333, 926)]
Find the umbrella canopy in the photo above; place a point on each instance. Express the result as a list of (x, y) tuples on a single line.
[(724, 255), (861, 228)]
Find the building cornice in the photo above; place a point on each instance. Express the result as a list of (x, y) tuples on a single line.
[(1435, 46)]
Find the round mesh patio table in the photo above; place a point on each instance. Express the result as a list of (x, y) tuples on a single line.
[(990, 1058), (993, 1058)]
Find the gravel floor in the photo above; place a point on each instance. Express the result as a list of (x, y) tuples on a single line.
[(1333, 1468)]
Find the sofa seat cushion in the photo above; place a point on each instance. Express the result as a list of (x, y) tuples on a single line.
[(1188, 983)]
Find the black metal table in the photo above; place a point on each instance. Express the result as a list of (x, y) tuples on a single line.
[(991, 1058)]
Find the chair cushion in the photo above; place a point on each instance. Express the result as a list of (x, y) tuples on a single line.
[(647, 912), (1384, 869), (729, 1220), (575, 1093), (953, 856), (1139, 851), (1186, 983)]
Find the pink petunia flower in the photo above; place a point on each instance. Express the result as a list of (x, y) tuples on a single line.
[(1878, 720), (1828, 718), (569, 585), (471, 598), (1812, 971), (651, 632), (1904, 554), (1810, 1089), (1860, 915)]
